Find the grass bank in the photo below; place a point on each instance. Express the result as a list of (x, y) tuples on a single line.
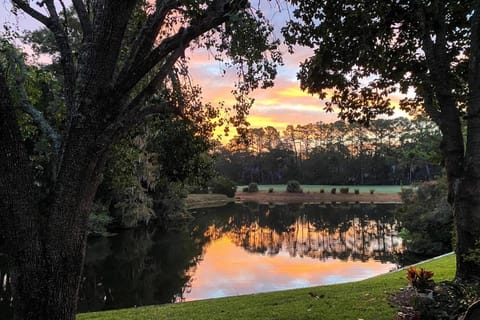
[(367, 299)]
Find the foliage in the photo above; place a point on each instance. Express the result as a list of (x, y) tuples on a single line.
[(344, 190), (99, 220), (342, 301), (293, 186), (419, 278), (252, 187), (448, 300), (169, 203), (356, 191), (333, 191), (474, 254), (427, 217), (388, 37), (224, 186), (270, 190)]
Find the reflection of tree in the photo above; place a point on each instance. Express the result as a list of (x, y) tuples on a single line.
[(139, 267), (342, 232)]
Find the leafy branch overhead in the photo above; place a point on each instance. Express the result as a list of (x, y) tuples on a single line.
[(145, 40), (364, 51)]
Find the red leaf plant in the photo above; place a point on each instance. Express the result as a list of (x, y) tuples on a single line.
[(420, 278)]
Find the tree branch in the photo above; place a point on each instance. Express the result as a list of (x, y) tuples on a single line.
[(36, 115), (32, 12), (146, 38), (83, 17), (135, 111), (214, 15)]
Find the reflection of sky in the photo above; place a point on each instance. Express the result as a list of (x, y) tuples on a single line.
[(228, 270)]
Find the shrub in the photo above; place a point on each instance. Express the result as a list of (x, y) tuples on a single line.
[(245, 189), (293, 186), (427, 221), (322, 191), (344, 190), (357, 191), (99, 219), (334, 190), (252, 187), (372, 191), (223, 185), (448, 300), (419, 278), (270, 190)]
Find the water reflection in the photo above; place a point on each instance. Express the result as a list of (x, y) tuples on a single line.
[(234, 250)]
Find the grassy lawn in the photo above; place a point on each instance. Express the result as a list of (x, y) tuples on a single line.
[(327, 188), (367, 299)]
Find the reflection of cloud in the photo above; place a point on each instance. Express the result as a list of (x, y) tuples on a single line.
[(227, 269)]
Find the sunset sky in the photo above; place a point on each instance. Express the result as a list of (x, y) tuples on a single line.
[(279, 106)]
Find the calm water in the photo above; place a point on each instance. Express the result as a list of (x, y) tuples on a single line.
[(237, 249)]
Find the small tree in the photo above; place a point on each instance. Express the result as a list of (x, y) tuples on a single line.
[(293, 186)]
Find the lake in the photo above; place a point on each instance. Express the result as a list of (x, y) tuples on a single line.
[(237, 249)]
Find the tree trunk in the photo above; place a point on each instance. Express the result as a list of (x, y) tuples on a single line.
[(46, 281), (467, 228)]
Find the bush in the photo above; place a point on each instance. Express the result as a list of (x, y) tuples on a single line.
[(223, 185), (447, 300), (372, 191), (270, 190), (245, 189), (357, 191), (334, 190), (322, 191), (293, 186), (344, 190), (252, 187), (427, 221), (420, 279), (99, 219)]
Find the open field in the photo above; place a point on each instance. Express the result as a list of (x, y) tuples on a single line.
[(367, 300), (327, 188)]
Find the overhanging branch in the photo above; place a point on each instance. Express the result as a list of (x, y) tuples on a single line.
[(36, 115), (216, 14), (83, 17), (32, 12), (146, 37)]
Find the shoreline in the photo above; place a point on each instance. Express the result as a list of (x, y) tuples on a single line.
[(317, 197)]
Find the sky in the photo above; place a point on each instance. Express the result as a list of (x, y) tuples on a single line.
[(279, 106)]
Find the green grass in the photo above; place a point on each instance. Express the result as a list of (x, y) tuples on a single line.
[(367, 299), (327, 188)]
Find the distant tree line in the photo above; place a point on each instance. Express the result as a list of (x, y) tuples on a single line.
[(388, 151)]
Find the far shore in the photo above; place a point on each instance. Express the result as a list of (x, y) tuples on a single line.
[(316, 197)]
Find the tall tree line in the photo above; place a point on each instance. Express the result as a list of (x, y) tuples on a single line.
[(388, 151)]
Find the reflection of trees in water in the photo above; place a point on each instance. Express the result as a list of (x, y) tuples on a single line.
[(143, 267), (357, 233)]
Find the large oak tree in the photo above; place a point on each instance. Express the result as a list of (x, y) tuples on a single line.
[(112, 70), (366, 50)]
